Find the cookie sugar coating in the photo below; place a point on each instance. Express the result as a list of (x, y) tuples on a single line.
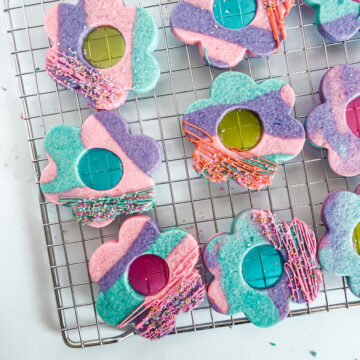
[(100, 170), (172, 288), (336, 252), (102, 49), (334, 124), (337, 20), (275, 135), (225, 31), (260, 265)]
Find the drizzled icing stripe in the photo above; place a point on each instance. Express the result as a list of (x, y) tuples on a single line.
[(107, 208), (215, 165), (184, 296), (169, 303), (71, 73), (276, 17), (299, 243)]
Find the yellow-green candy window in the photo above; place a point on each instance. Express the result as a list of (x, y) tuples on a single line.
[(356, 238), (240, 128), (104, 47)]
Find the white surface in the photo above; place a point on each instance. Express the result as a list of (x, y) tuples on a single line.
[(29, 326)]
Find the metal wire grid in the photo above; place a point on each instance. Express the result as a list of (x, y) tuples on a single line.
[(184, 199)]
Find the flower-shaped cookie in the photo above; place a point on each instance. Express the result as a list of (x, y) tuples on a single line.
[(336, 252), (147, 278), (260, 265), (334, 125), (337, 20), (100, 170), (102, 49), (225, 30), (243, 130)]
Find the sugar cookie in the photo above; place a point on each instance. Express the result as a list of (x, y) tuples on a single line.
[(100, 170), (147, 277)]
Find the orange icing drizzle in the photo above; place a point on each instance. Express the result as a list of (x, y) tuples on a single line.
[(276, 17), (246, 168)]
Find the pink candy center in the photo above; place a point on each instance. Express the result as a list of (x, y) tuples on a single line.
[(353, 115), (148, 274)]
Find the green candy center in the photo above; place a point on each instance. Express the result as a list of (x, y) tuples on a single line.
[(104, 47), (241, 129), (356, 238)]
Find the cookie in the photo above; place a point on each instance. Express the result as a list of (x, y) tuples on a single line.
[(260, 265), (336, 20), (225, 30), (244, 130), (334, 124), (100, 170), (147, 277), (102, 50), (339, 247)]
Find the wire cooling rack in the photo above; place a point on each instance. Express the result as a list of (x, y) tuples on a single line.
[(184, 199)]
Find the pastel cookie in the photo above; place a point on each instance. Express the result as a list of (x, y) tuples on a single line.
[(337, 20), (102, 49), (339, 247), (334, 125), (147, 277), (260, 265), (243, 130), (100, 170), (225, 30)]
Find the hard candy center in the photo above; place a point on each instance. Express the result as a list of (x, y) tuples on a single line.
[(104, 47), (234, 14), (353, 116), (262, 267), (148, 274), (100, 169), (241, 129)]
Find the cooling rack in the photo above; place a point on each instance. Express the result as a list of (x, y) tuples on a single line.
[(184, 199)]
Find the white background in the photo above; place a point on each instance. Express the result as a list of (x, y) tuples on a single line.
[(29, 326)]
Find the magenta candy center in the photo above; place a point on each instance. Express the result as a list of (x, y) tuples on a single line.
[(358, 1), (353, 116), (148, 274)]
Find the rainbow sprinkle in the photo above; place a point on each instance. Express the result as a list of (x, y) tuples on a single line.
[(299, 243), (216, 165), (71, 73), (160, 319), (107, 208)]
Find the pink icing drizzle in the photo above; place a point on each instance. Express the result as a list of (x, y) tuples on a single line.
[(106, 94), (299, 243), (183, 275)]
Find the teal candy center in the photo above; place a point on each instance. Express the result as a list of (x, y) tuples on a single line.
[(234, 14), (100, 169), (262, 267)]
